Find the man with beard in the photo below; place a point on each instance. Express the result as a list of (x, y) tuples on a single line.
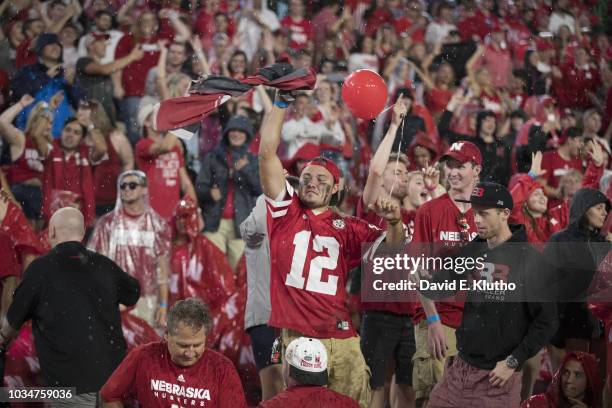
[(311, 251), (501, 326), (138, 240), (448, 222), (387, 331)]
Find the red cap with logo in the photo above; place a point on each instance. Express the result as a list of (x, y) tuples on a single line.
[(463, 152)]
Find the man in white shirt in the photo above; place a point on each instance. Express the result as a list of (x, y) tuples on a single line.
[(300, 129), (439, 29)]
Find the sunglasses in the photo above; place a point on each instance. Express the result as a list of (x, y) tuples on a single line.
[(464, 228), (132, 185)]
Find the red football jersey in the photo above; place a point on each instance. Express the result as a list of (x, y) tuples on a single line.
[(163, 176), (310, 256), (149, 376), (437, 221), (372, 218)]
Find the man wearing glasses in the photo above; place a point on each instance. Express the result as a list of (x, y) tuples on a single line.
[(446, 222), (138, 240)]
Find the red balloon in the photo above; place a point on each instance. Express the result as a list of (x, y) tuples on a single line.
[(364, 93)]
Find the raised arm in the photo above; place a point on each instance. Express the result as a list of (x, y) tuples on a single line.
[(13, 136), (373, 186), (94, 68), (271, 171)]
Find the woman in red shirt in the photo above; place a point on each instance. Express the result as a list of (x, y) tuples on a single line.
[(129, 82), (28, 150)]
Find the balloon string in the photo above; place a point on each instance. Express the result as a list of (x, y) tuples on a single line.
[(399, 149)]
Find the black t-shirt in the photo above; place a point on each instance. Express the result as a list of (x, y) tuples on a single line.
[(72, 296)]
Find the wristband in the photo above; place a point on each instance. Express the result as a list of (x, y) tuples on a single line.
[(281, 104), (532, 175), (434, 318), (163, 304)]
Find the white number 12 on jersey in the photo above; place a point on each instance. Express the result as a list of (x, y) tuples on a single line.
[(295, 278)]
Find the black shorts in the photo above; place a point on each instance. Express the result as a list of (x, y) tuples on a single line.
[(384, 336), (262, 338)]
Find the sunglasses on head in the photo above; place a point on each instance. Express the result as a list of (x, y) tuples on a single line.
[(132, 185)]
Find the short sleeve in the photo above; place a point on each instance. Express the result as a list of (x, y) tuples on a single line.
[(231, 394), (27, 295), (361, 233), (284, 205), (121, 384), (128, 288)]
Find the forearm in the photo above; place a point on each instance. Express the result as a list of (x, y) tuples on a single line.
[(395, 232), (7, 332), (183, 33), (117, 78), (8, 287), (8, 116), (42, 144), (163, 279)]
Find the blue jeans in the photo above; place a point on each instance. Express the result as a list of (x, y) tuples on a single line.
[(129, 115)]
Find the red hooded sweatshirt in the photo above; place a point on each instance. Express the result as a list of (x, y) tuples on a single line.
[(554, 398), (555, 219)]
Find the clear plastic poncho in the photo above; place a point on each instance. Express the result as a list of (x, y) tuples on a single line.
[(134, 242)]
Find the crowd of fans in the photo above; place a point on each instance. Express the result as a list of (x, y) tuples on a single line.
[(527, 82)]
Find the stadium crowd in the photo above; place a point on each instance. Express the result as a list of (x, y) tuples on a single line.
[(261, 213)]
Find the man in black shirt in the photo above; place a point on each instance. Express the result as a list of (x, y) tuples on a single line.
[(72, 296), (502, 326)]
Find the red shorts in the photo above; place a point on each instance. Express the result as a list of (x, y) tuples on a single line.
[(464, 385)]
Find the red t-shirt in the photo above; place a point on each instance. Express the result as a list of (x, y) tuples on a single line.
[(571, 90), (149, 376), (556, 167), (134, 75), (310, 258), (436, 221), (28, 166), (163, 176), (300, 32), (309, 396)]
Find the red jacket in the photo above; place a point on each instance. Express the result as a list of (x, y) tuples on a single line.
[(552, 397)]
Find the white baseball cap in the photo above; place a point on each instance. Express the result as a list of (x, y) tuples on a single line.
[(307, 359)]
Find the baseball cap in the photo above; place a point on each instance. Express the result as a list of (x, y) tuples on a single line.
[(45, 39), (328, 165), (490, 195), (143, 113), (307, 359), (463, 152)]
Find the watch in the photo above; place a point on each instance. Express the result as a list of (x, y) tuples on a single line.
[(512, 362)]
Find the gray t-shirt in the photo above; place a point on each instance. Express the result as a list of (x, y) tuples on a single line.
[(258, 266), (98, 87)]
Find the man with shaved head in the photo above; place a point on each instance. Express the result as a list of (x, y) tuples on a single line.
[(72, 295)]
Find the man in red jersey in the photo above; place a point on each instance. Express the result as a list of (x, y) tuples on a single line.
[(311, 251), (451, 223), (305, 374), (178, 371)]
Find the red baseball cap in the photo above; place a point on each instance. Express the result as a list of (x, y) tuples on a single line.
[(328, 165), (463, 152)]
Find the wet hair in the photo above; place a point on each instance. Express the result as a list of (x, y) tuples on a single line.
[(191, 312), (72, 120), (142, 177), (393, 157)]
